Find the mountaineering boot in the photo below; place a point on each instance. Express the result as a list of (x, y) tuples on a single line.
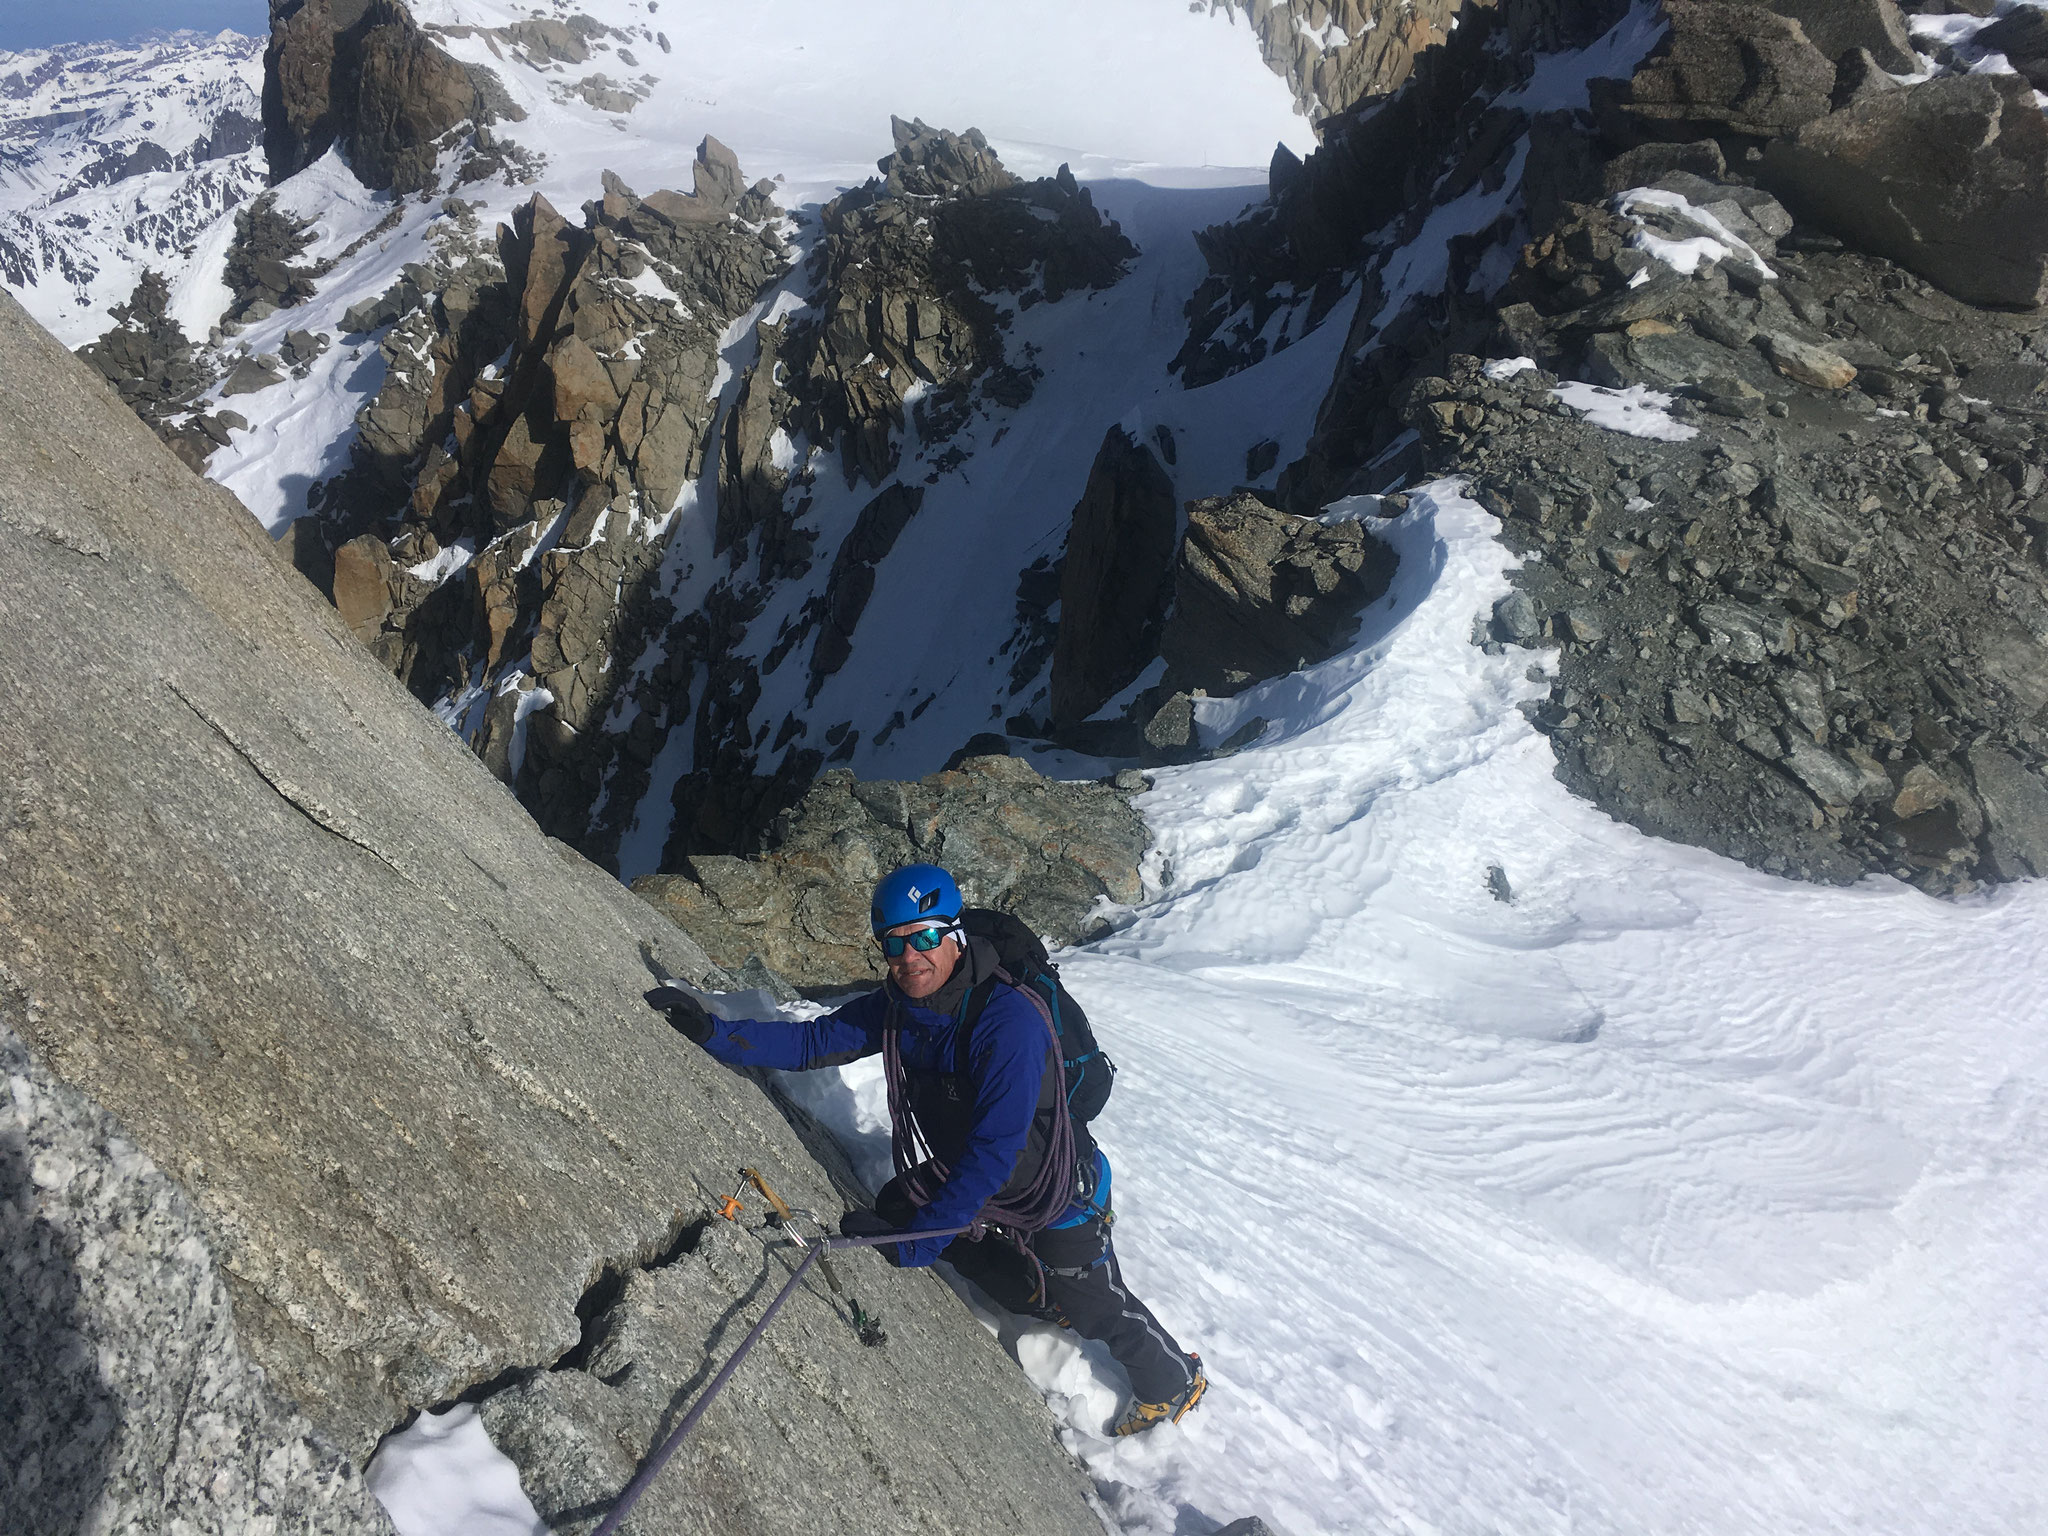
[(1143, 1416)]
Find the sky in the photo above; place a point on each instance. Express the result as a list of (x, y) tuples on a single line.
[(37, 24)]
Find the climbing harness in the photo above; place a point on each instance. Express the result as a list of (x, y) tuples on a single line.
[(814, 1253)]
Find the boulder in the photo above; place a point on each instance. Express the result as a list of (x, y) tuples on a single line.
[(1805, 363), (249, 377), (1949, 178), (1837, 26), (127, 1399), (1259, 592), (2015, 801), (364, 576), (1046, 849), (280, 922), (1727, 69), (1117, 579)]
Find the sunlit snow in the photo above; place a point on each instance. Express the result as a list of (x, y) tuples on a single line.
[(1666, 1197)]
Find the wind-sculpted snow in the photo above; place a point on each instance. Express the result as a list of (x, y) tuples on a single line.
[(117, 157), (1663, 1196)]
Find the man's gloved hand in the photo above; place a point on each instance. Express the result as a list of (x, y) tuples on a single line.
[(868, 1224), (689, 1016)]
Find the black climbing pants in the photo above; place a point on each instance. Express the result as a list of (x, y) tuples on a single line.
[(1084, 1288)]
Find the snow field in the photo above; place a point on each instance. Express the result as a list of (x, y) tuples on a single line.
[(1668, 1197)]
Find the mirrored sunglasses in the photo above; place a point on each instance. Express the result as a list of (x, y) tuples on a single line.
[(923, 941)]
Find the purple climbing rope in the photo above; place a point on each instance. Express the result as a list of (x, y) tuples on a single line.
[(651, 1468)]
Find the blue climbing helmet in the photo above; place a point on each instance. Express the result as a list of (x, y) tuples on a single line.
[(912, 893)]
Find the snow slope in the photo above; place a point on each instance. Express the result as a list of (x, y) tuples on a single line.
[(1666, 1197)]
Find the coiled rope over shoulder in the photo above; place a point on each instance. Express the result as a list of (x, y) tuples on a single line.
[(1051, 1189)]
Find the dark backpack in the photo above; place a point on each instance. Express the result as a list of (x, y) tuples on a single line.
[(1090, 1073)]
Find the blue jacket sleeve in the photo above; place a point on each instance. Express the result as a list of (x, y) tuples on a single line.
[(1008, 1060), (845, 1035)]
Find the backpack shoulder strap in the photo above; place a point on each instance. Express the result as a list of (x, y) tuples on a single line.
[(972, 1006), (976, 1003)]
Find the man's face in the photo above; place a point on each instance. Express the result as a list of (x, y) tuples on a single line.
[(920, 973)]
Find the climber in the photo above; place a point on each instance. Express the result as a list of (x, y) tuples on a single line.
[(986, 1139)]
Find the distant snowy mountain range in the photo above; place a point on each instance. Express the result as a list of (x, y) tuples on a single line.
[(115, 157)]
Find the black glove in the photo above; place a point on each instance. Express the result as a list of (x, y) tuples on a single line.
[(684, 1011), (868, 1224)]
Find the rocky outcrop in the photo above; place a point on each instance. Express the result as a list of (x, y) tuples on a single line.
[(360, 74), (1335, 54), (149, 362), (1371, 181), (127, 1401), (327, 974), (1781, 636), (1258, 592), (1778, 635), (909, 279), (1050, 851), (1115, 584), (259, 270), (1801, 621), (1949, 178), (544, 407)]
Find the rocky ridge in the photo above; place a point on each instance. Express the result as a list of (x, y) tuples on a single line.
[(545, 406), (1059, 855), (1803, 619), (389, 1038)]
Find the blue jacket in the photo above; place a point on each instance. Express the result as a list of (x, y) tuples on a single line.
[(992, 1136)]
